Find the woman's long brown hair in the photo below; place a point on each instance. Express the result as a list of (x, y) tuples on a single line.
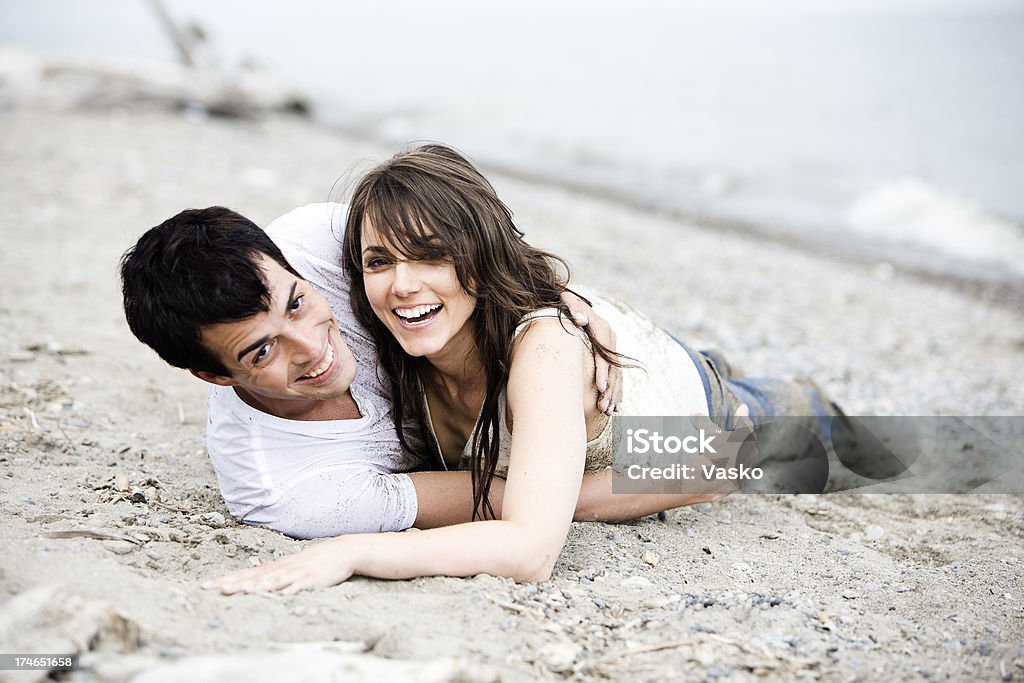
[(430, 203)]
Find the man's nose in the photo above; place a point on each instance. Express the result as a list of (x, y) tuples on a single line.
[(305, 343), (407, 279)]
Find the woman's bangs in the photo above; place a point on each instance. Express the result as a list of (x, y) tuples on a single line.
[(401, 220)]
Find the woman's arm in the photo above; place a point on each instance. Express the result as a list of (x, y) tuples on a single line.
[(545, 395)]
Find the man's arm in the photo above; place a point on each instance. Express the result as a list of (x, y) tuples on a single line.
[(597, 503), (446, 498)]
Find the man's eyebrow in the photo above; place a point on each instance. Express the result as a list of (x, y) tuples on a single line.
[(252, 347), (263, 340), (291, 297)]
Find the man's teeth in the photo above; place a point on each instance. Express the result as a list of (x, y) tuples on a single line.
[(416, 311), (323, 366)]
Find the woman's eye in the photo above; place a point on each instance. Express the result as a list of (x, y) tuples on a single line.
[(438, 256), (374, 263), (297, 303)]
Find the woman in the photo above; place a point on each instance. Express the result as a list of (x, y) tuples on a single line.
[(471, 329)]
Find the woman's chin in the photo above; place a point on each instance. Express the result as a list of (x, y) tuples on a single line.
[(415, 350)]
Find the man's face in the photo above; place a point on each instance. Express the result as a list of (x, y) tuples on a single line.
[(292, 352)]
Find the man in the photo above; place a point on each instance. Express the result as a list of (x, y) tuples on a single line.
[(300, 431)]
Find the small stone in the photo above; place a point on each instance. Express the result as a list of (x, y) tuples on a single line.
[(119, 547), (599, 603), (659, 602), (652, 558), (561, 656), (702, 507), (21, 356), (850, 595), (995, 507), (636, 581), (754, 512), (213, 519), (873, 532)]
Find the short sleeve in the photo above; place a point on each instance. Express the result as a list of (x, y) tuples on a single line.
[(341, 501)]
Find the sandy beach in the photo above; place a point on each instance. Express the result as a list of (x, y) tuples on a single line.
[(111, 515)]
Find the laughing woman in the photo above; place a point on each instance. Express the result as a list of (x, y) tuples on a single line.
[(473, 333)]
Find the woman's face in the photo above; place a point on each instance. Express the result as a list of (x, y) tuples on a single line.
[(422, 303)]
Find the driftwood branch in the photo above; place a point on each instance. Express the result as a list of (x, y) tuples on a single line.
[(181, 43)]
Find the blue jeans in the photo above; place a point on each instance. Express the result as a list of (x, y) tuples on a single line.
[(764, 397)]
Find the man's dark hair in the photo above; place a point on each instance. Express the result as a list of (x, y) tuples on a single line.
[(198, 268)]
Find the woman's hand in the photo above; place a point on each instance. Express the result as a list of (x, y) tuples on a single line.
[(607, 377), (324, 564)]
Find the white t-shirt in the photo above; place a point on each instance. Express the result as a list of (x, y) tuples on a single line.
[(311, 479)]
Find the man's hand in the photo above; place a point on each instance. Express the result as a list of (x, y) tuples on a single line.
[(607, 377)]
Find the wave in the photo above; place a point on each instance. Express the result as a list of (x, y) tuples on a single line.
[(911, 213)]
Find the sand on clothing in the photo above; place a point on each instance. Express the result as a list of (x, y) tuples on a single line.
[(100, 439)]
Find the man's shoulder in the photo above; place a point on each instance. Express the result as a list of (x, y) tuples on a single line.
[(310, 237), (311, 227)]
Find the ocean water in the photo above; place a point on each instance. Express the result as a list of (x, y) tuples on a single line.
[(894, 129)]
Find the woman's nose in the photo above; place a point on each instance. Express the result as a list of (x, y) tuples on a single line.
[(407, 280)]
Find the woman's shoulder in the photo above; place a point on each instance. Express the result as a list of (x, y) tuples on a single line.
[(546, 336), (551, 320)]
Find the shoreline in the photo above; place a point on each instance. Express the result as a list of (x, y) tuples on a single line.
[(935, 268)]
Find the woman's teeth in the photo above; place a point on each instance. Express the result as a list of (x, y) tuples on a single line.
[(416, 313), (323, 366)]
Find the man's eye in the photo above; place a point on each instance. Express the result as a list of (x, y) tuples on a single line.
[(261, 353)]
